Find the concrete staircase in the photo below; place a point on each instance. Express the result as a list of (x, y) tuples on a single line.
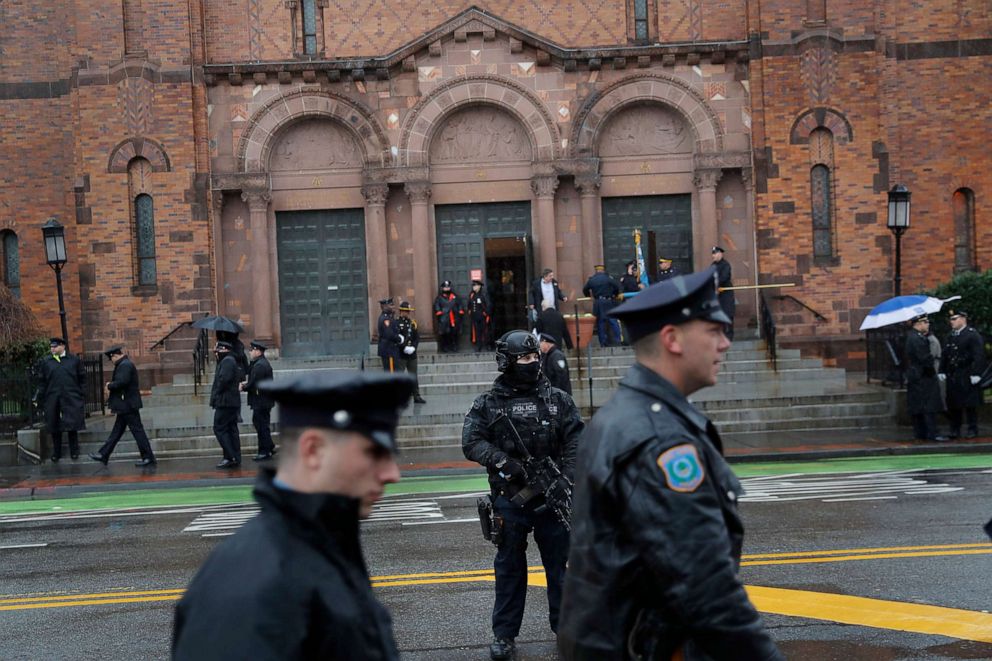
[(751, 401)]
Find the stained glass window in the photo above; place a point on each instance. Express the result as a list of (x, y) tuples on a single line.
[(144, 216), (11, 263), (309, 26), (641, 20)]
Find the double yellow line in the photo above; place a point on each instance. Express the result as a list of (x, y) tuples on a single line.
[(28, 602)]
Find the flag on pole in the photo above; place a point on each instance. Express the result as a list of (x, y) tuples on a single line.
[(642, 272)]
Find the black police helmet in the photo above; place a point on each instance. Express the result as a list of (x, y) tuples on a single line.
[(511, 346)]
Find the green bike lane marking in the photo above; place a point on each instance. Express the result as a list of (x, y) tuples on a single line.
[(241, 494)]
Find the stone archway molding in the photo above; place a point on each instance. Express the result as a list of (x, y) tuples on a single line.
[(821, 117), (132, 148), (260, 134), (653, 88), (427, 116)]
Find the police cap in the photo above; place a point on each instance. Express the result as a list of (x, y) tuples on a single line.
[(957, 313), (385, 301), (716, 249), (223, 346), (366, 402), (255, 344), (548, 337), (674, 301), (406, 307), (56, 341), (116, 349)]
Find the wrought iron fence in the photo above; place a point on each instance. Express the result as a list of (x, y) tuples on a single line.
[(94, 393), (17, 388), (768, 332), (884, 355), (201, 354)]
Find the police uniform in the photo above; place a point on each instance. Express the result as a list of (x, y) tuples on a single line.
[(963, 361), (225, 400), (292, 582), (260, 403), (479, 310), (603, 290), (725, 279), (448, 311), (125, 401), (554, 365), (522, 407), (923, 400), (408, 338), (670, 272), (656, 535), (60, 393), (386, 347)]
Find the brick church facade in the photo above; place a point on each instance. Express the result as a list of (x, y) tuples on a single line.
[(290, 162)]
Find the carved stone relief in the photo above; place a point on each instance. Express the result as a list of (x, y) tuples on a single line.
[(315, 145), (648, 129), (480, 135)]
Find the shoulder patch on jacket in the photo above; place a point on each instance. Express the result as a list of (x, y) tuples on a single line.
[(682, 468)]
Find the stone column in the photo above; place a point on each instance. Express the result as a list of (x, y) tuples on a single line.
[(376, 262), (708, 234), (543, 222), (747, 177), (592, 221), (218, 249), (257, 198), (424, 254)]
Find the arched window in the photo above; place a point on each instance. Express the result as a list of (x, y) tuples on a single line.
[(309, 12), (144, 224), (11, 262), (821, 188), (964, 230)]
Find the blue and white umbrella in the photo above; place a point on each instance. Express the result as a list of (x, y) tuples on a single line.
[(902, 308)]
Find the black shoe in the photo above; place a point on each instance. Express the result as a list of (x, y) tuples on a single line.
[(971, 434), (96, 456), (228, 463), (502, 648), (419, 400), (74, 455), (940, 438), (55, 459), (263, 456), (145, 463)]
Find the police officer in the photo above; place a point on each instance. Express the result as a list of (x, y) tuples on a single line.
[(60, 393), (963, 361), (125, 401), (724, 280), (603, 290), (260, 403), (448, 311), (629, 282), (553, 363), (666, 270), (521, 416), (408, 338), (386, 347), (292, 583), (923, 401), (656, 535), (479, 309), (225, 400)]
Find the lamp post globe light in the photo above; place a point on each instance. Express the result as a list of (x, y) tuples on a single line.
[(54, 234), (898, 223)]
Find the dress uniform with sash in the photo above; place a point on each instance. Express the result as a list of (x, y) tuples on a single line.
[(408, 338), (656, 534)]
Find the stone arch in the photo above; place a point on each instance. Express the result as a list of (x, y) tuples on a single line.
[(427, 117), (261, 133), (826, 118), (639, 89), (146, 148)]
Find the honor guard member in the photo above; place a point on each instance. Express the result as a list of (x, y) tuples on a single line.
[(656, 535), (963, 362), (225, 400), (125, 401), (449, 312), (387, 346), (292, 582), (629, 282), (666, 271), (923, 401), (60, 393), (725, 279), (408, 338), (260, 403), (553, 363), (478, 310), (522, 420), (603, 290)]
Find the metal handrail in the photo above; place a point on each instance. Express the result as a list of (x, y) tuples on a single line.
[(175, 330), (769, 332), (201, 354), (819, 317)]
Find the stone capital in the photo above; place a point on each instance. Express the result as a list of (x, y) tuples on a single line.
[(588, 184), (544, 186), (707, 179), (747, 176), (217, 200), (257, 196), (419, 192), (375, 194)]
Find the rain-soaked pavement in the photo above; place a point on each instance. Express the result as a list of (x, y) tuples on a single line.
[(73, 587)]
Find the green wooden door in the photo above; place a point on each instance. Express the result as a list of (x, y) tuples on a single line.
[(323, 290), (668, 216)]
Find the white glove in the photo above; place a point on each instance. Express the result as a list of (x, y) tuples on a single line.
[(400, 339), (409, 350), (975, 380), (942, 377)]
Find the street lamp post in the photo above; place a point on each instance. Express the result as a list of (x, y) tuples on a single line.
[(54, 234), (898, 223)]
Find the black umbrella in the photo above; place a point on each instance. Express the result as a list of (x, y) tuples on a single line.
[(218, 323)]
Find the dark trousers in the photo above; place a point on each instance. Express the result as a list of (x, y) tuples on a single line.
[(924, 426), (57, 444), (388, 363), (511, 564), (970, 415), (132, 421), (261, 418), (226, 431), (606, 325), (448, 342), (409, 364), (479, 327)]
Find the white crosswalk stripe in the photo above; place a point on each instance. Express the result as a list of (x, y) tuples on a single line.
[(840, 488)]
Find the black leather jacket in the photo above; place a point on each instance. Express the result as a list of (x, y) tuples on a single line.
[(654, 559)]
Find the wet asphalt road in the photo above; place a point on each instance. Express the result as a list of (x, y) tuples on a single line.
[(160, 552)]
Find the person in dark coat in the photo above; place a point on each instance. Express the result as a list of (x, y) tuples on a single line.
[(553, 323), (923, 401), (479, 309), (545, 288), (408, 337), (387, 346), (963, 361), (260, 403), (237, 348), (725, 279), (448, 311), (125, 401), (656, 535), (667, 271), (553, 363), (225, 400), (630, 283), (603, 290), (60, 391), (292, 583)]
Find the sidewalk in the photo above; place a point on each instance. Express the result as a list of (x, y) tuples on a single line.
[(84, 475)]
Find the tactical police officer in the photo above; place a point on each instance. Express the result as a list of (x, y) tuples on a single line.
[(408, 338), (553, 363), (261, 404), (656, 535), (603, 290), (292, 583), (963, 362), (515, 430)]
